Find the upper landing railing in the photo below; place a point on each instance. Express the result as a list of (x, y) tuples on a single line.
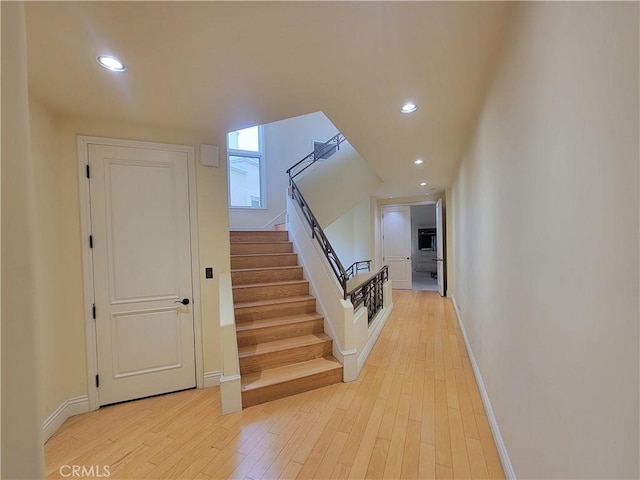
[(368, 292)]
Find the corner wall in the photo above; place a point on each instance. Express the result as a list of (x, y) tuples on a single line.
[(63, 335), (351, 234), (22, 452), (546, 234)]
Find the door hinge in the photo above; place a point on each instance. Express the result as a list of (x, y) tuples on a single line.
[(90, 241), (97, 381), (88, 171), (93, 311)]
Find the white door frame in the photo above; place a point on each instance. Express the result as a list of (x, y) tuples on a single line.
[(424, 202), (83, 143)]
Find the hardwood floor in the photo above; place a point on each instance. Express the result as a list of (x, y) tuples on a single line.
[(414, 412)]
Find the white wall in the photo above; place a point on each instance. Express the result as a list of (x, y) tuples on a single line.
[(55, 318), (351, 234), (546, 233), (285, 143), (22, 452), (57, 249), (337, 185)]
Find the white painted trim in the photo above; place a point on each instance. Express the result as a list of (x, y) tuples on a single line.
[(68, 408), (195, 264), (230, 393), (87, 271), (349, 365), (320, 308), (83, 143), (212, 379), (495, 430), (377, 325)]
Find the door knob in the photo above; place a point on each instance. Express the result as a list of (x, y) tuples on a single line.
[(184, 301)]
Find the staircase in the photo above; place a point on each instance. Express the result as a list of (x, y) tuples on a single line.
[(282, 347)]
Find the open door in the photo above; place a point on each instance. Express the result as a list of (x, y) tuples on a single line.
[(440, 247), (396, 244)]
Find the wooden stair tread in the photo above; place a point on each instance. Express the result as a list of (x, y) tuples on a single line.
[(277, 321), (264, 242), (282, 347), (284, 344), (258, 236), (270, 284), (277, 375), (259, 269), (274, 301), (262, 254)]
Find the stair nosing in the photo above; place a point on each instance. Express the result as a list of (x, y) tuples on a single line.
[(282, 242), (270, 284), (281, 344), (234, 270), (275, 301), (262, 254), (286, 320), (329, 361)]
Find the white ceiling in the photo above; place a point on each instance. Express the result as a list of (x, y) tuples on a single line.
[(222, 66)]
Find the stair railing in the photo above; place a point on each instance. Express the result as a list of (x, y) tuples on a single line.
[(369, 292)]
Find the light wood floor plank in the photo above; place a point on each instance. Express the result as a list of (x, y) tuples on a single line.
[(330, 458), (428, 433), (466, 408), (472, 387), (443, 434), (363, 419), (458, 446), (415, 412), (321, 446), (378, 459), (366, 445), (411, 455), (291, 471), (477, 465), (340, 472), (427, 467), (491, 458), (444, 472), (393, 465)]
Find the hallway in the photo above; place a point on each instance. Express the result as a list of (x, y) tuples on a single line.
[(414, 412)]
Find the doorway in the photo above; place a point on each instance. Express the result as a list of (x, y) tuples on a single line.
[(396, 244), (415, 233), (423, 247), (143, 335)]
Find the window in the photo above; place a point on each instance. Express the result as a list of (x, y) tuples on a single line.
[(246, 168)]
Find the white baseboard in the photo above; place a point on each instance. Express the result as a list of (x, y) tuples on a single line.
[(497, 437), (69, 408), (230, 393), (212, 379)]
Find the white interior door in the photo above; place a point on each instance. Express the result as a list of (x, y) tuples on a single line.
[(396, 244), (440, 247), (142, 271)]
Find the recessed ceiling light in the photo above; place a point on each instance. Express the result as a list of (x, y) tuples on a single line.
[(423, 184), (409, 108), (418, 162), (110, 63)]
